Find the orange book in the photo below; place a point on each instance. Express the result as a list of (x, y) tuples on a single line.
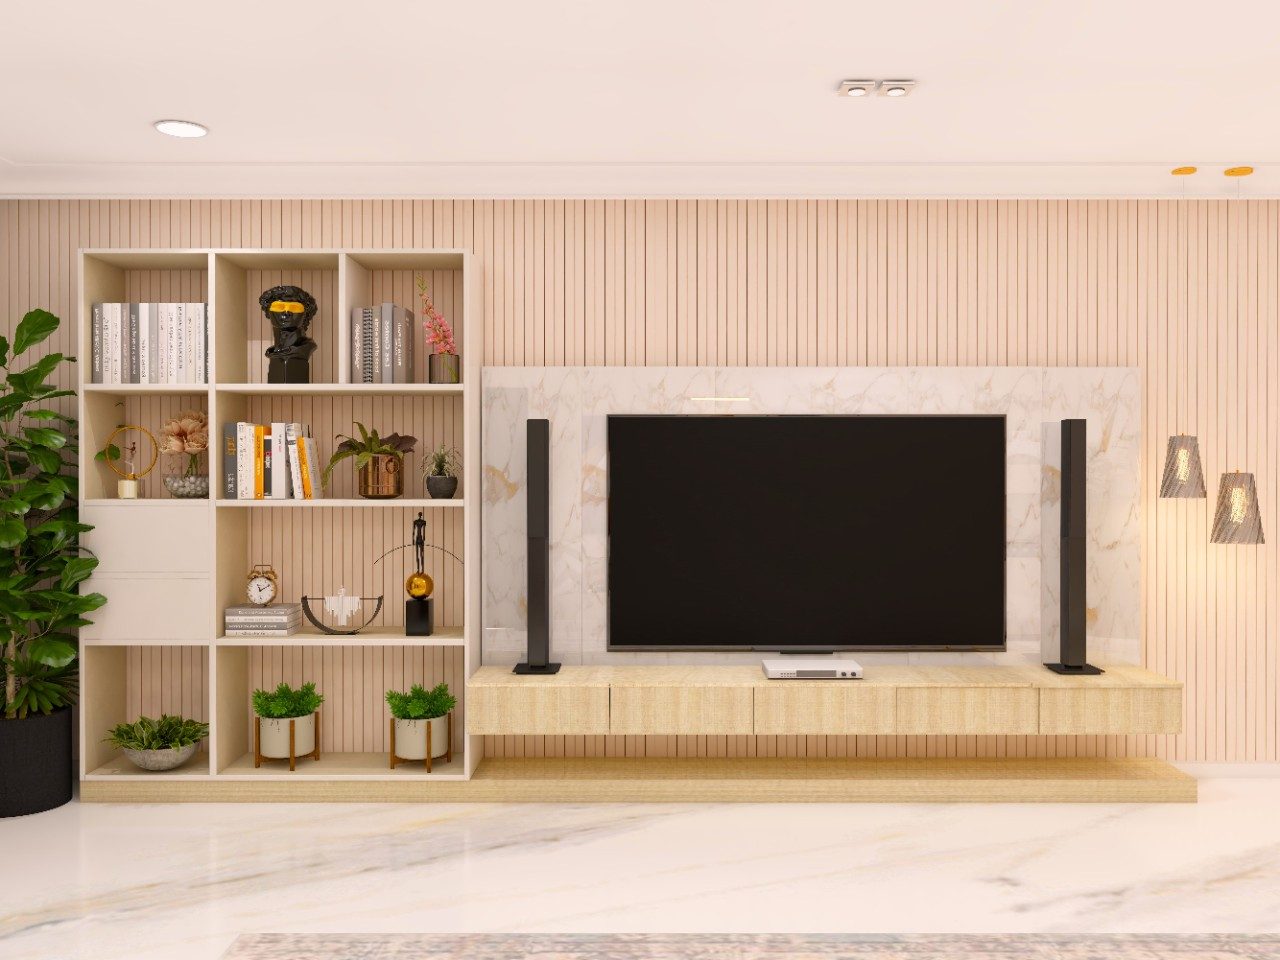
[(305, 468), (259, 459)]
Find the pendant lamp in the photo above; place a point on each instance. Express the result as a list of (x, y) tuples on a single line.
[(1237, 519)]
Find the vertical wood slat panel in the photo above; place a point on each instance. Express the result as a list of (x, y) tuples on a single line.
[(1186, 290)]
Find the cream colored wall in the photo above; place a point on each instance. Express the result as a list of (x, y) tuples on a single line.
[(1185, 290)]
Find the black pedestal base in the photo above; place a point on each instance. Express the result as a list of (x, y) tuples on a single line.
[(419, 617), (532, 670), (1088, 670), (294, 370)]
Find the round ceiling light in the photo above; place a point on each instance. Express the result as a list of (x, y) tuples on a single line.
[(181, 128), (857, 91), (895, 91)]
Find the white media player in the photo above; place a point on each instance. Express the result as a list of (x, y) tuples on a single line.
[(812, 668)]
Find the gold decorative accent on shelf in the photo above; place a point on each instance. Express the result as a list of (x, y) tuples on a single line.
[(155, 451)]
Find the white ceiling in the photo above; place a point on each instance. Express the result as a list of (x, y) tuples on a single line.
[(608, 97)]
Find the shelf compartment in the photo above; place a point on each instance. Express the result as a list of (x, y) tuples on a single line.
[(106, 406), (119, 768), (243, 333), (353, 678), (122, 682)]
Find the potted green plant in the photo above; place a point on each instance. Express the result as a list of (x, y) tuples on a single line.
[(379, 461), (286, 726), (420, 722), (162, 744), (440, 471), (41, 569)]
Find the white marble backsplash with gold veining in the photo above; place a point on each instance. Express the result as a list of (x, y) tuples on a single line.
[(577, 401)]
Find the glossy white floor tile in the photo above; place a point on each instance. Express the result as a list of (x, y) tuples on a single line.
[(99, 882)]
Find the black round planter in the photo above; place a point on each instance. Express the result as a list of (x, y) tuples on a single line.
[(35, 763), (442, 488)]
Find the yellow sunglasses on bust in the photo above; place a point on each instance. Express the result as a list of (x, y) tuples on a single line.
[(287, 306)]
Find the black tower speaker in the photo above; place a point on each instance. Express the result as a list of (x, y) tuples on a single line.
[(1071, 559), (538, 507)]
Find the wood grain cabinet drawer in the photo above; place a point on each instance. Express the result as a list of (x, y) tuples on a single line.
[(544, 709), (968, 710), (852, 707), (670, 710), (1102, 709)]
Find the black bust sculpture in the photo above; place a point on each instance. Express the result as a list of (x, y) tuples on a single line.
[(290, 310)]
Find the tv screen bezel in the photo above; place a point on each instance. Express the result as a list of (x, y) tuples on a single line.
[(1001, 647)]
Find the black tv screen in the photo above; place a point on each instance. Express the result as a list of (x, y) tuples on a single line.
[(806, 532)]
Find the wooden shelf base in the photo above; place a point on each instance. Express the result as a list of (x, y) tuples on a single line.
[(708, 780)]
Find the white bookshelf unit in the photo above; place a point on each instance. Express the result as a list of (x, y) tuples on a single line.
[(169, 567)]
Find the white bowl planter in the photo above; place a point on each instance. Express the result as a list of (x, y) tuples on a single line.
[(409, 740), (169, 758), (273, 738)]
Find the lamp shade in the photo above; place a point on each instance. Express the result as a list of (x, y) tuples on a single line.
[(1237, 519), (1183, 476)]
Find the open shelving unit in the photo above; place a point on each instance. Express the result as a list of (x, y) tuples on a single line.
[(169, 567)]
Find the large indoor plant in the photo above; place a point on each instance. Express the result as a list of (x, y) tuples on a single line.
[(41, 568), (420, 722), (379, 461)]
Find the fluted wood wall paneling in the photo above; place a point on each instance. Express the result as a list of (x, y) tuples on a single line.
[(1186, 290)]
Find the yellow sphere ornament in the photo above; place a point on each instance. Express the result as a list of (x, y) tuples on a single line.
[(418, 585)]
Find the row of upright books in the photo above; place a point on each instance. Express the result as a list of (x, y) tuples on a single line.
[(269, 461), (269, 620), (150, 343), (381, 344)]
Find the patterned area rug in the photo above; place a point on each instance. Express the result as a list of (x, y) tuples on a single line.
[(661, 946)]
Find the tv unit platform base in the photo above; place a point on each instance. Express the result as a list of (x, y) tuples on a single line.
[(711, 780)]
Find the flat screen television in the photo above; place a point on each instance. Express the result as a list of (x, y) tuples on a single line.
[(813, 533)]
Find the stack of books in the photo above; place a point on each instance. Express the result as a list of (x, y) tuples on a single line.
[(272, 620), (381, 344), (269, 461), (150, 343)]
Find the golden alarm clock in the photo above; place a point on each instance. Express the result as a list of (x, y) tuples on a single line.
[(264, 585), (418, 585)]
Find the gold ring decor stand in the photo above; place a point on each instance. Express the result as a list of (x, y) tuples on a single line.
[(293, 757), (448, 756)]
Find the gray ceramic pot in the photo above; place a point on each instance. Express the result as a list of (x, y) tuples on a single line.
[(156, 760), (442, 488)]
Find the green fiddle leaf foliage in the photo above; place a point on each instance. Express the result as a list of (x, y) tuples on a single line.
[(34, 328), (42, 570)]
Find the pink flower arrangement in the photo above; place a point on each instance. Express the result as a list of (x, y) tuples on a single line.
[(439, 332), (188, 433)]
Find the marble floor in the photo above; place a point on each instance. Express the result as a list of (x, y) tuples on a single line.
[(97, 882)]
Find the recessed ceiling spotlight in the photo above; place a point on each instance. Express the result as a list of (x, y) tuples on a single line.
[(1237, 171), (1183, 171), (181, 128), (896, 88), (857, 88)]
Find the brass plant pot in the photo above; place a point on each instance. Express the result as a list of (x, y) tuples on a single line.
[(382, 478)]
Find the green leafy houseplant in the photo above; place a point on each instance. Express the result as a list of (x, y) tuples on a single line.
[(167, 733), (41, 565), (443, 461), (420, 703), (364, 449), (284, 702)]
